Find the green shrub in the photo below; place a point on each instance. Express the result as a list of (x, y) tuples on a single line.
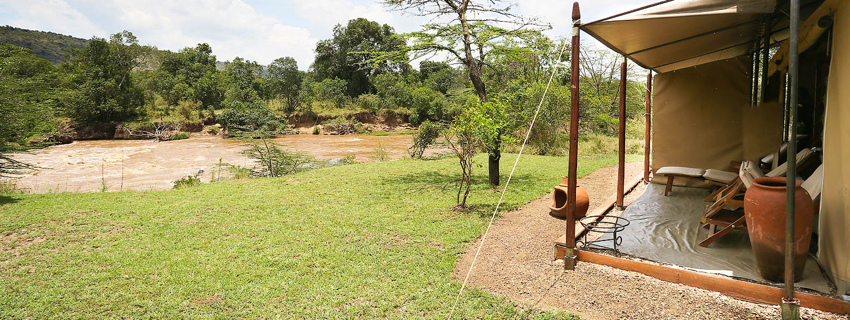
[(180, 136), (381, 154), (370, 102), (429, 105), (331, 90), (349, 159), (636, 128), (425, 137), (316, 130), (189, 181), (213, 130), (252, 119), (237, 171), (394, 90), (273, 161), (188, 109), (9, 186), (605, 124)]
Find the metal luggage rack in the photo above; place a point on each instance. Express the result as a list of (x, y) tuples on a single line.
[(603, 225)]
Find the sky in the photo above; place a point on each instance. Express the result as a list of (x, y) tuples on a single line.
[(259, 30)]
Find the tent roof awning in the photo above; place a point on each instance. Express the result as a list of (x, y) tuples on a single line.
[(671, 35)]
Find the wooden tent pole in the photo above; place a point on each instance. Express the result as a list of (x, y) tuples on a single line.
[(621, 163), (790, 305), (570, 257), (648, 133)]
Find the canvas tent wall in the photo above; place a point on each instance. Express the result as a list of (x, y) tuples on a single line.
[(835, 201), (701, 110), (703, 118)]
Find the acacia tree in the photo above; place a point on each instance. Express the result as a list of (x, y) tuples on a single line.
[(103, 87), (284, 81), (463, 138), (474, 32), (190, 75), (347, 56)]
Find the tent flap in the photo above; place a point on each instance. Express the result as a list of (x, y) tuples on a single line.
[(835, 199)]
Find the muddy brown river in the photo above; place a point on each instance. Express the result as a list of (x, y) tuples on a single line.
[(87, 166)]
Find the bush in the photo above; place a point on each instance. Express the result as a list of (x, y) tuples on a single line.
[(251, 120), (180, 136), (9, 187), (381, 154), (189, 181), (238, 172), (188, 110), (393, 89), (273, 161), (427, 135), (428, 105), (341, 125), (370, 102), (213, 130), (331, 90), (605, 124)]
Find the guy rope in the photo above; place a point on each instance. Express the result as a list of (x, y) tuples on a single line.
[(508, 182)]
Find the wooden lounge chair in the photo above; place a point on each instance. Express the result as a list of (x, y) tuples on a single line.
[(713, 177), (720, 221), (720, 178), (752, 170)]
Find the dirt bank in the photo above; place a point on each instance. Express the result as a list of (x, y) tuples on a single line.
[(516, 261)]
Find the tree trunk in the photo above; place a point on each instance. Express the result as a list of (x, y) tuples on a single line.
[(474, 66), (477, 82), (493, 162)]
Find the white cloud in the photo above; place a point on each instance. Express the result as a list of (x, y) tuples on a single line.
[(324, 15), (559, 12), (52, 15), (234, 28), (231, 27)]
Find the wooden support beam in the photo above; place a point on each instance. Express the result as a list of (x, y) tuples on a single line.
[(742, 290), (621, 152), (569, 244), (648, 132)]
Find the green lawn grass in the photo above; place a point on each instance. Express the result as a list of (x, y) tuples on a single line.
[(364, 241)]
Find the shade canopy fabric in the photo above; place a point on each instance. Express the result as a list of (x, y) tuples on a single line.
[(672, 35)]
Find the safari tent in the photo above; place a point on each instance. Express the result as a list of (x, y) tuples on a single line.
[(721, 94)]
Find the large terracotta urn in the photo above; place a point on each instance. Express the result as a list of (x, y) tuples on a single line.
[(764, 208), (558, 208)]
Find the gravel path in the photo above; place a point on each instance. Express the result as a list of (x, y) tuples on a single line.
[(516, 261)]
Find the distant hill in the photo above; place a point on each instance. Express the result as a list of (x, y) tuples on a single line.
[(54, 47)]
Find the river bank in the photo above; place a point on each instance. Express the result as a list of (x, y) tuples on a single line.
[(114, 165)]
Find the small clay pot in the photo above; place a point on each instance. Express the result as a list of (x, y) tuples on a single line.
[(764, 208), (558, 208)]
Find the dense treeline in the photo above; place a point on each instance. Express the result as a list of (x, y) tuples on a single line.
[(118, 82)]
